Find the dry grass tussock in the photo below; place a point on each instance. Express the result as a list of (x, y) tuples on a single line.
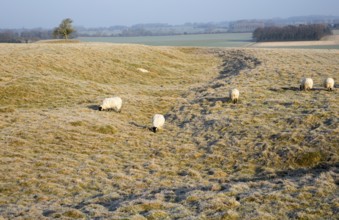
[(272, 155)]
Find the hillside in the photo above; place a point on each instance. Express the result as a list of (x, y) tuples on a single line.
[(272, 155)]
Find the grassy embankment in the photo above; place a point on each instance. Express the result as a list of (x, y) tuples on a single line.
[(273, 155)]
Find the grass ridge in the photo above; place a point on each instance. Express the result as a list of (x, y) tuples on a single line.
[(272, 155)]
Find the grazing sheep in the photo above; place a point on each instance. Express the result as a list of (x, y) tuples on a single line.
[(306, 84), (158, 121), (113, 103), (234, 95), (329, 84)]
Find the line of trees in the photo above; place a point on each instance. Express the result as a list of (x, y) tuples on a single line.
[(292, 33), (64, 31), (24, 36)]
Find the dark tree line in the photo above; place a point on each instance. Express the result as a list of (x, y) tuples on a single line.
[(8, 36), (24, 36), (292, 33)]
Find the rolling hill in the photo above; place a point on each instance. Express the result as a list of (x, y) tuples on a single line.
[(272, 155)]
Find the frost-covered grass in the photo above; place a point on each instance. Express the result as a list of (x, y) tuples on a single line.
[(273, 155)]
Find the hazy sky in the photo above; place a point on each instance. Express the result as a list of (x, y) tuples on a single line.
[(105, 13)]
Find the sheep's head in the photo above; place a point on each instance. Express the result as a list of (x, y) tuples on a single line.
[(154, 129), (100, 108)]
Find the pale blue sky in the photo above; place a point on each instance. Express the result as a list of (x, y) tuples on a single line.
[(105, 13)]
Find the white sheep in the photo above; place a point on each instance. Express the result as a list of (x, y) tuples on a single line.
[(234, 95), (306, 84), (158, 121), (113, 103), (329, 84)]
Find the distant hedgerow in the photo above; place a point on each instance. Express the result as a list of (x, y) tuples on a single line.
[(291, 33)]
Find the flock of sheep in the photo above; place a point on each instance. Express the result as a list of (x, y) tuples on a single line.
[(158, 120), (115, 103), (307, 84)]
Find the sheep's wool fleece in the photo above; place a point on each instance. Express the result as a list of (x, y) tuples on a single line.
[(307, 83), (329, 83), (114, 102), (234, 93), (158, 120)]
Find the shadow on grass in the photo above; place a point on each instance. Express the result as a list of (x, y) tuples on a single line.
[(234, 62), (319, 89), (173, 195), (93, 107), (180, 194), (48, 213), (292, 88), (224, 99), (211, 100), (324, 167), (140, 126)]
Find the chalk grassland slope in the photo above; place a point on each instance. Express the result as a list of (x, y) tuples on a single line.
[(55, 146), (273, 155)]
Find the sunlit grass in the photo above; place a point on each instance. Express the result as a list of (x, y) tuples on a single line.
[(272, 155)]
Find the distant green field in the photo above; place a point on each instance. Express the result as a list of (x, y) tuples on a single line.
[(200, 40)]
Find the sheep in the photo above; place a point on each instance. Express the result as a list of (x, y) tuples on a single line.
[(306, 84), (158, 121), (114, 103), (234, 95), (329, 84)]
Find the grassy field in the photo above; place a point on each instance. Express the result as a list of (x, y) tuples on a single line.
[(196, 40), (218, 40), (274, 155)]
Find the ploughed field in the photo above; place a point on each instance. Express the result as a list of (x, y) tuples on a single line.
[(272, 155)]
